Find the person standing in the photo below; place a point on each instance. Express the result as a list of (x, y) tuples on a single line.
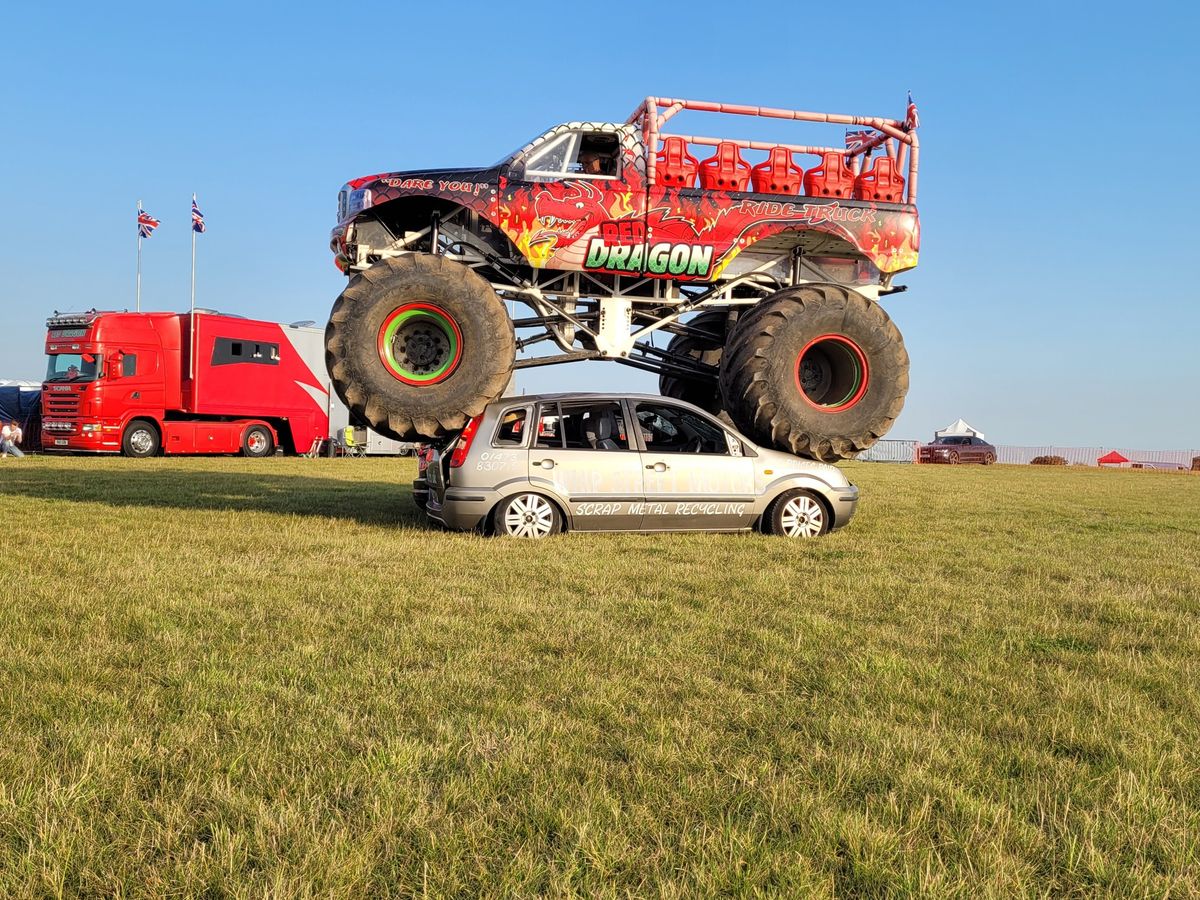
[(10, 436)]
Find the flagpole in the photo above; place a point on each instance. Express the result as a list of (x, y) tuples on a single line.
[(192, 329), (139, 259)]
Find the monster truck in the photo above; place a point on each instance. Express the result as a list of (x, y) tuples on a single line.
[(765, 278)]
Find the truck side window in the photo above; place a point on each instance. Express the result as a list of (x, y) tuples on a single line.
[(129, 364), (576, 154), (227, 351)]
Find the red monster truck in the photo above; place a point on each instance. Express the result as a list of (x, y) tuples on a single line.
[(766, 275)]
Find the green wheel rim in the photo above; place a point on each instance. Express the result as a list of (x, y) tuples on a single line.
[(420, 344)]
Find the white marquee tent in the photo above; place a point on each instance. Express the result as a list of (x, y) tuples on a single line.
[(959, 428)]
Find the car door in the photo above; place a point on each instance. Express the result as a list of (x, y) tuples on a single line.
[(576, 199), (584, 453), (692, 477)]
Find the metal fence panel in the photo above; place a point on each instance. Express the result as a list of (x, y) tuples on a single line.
[(1167, 460)]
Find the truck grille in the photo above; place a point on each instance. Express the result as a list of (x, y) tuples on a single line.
[(60, 404)]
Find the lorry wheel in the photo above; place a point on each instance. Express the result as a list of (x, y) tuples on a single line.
[(817, 370), (140, 439), (418, 345), (701, 392), (257, 442)]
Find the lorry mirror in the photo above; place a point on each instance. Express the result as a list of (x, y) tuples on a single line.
[(113, 366)]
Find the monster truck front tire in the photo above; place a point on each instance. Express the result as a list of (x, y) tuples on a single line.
[(702, 392), (817, 370), (418, 345)]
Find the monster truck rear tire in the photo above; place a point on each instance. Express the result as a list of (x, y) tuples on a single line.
[(702, 392), (817, 370), (418, 345)]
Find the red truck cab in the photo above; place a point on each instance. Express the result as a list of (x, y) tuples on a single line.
[(141, 383)]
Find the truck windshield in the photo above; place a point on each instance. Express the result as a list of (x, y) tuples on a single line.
[(72, 367)]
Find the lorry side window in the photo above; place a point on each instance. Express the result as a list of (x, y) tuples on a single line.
[(129, 364), (227, 351)]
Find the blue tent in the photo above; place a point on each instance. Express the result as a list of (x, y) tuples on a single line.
[(23, 403)]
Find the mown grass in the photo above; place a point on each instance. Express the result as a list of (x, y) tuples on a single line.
[(268, 679)]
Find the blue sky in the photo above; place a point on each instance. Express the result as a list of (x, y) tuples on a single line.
[(1055, 301)]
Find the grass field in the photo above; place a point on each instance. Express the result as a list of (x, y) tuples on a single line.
[(266, 678)]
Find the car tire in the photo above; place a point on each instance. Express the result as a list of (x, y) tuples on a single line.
[(989, 459), (527, 515), (797, 513), (817, 370), (953, 458), (418, 345), (257, 442), (140, 440)]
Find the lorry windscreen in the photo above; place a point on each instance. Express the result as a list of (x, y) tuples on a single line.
[(72, 367)]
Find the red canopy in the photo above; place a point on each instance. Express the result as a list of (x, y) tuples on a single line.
[(1112, 459)]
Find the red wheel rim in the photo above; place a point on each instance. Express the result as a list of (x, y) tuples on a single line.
[(831, 373), (420, 344)]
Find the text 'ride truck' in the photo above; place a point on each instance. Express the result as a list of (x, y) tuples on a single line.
[(202, 382), (766, 275)]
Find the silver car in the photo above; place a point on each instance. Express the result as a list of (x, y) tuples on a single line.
[(534, 466)]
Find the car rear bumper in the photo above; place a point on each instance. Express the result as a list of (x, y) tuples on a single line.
[(845, 504), (461, 509)]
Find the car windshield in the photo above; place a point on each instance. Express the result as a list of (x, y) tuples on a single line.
[(72, 367)]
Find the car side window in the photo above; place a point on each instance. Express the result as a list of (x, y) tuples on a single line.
[(129, 364), (583, 426), (672, 429), (549, 432), (511, 430)]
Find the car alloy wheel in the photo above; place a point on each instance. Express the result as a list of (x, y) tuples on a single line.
[(528, 516), (802, 517)]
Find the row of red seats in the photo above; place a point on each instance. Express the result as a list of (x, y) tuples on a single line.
[(727, 171)]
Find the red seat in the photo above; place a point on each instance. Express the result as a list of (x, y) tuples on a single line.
[(831, 178), (778, 175), (675, 167), (881, 182), (726, 171)]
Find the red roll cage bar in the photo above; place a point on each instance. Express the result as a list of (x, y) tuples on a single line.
[(893, 134)]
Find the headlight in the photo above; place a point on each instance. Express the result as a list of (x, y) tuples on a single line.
[(358, 201), (91, 428)]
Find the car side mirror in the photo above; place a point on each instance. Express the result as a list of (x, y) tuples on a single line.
[(735, 446)]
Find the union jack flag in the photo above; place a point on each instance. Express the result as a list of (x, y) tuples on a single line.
[(197, 217), (855, 139), (146, 224), (911, 120)]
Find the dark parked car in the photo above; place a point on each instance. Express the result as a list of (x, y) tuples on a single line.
[(957, 448)]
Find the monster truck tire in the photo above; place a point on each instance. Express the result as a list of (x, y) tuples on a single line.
[(418, 345), (817, 370), (701, 392)]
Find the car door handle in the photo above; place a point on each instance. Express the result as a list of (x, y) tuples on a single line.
[(545, 463), (659, 467)]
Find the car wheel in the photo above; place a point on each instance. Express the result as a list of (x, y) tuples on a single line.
[(527, 516), (257, 442), (989, 458), (953, 460), (798, 514)]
